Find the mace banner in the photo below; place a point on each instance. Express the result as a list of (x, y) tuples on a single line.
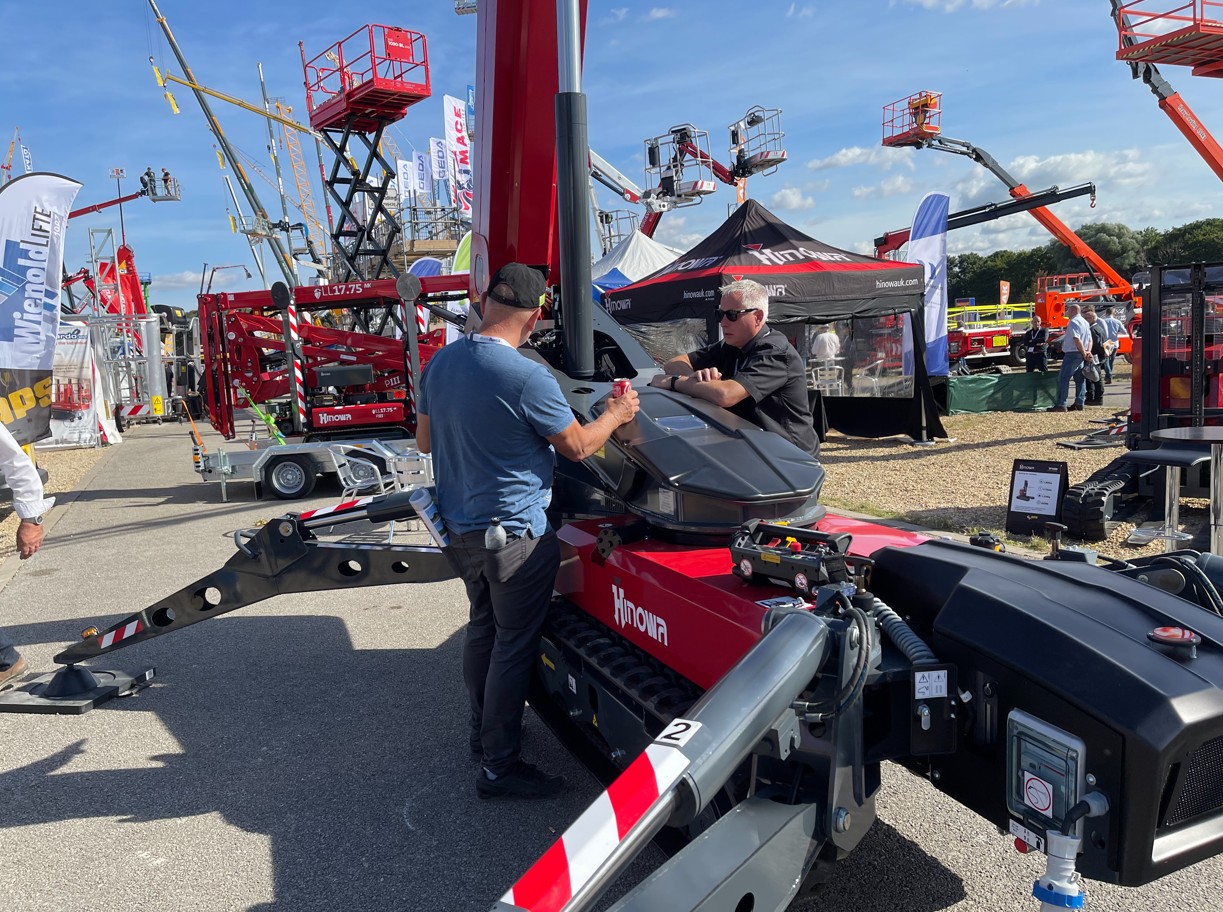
[(928, 246), (33, 217), (458, 148)]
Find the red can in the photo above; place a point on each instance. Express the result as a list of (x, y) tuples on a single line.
[(620, 387)]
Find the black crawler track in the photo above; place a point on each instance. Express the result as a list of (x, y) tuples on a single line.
[(1089, 507)]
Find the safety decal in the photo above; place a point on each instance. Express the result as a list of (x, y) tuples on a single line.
[(120, 633), (573, 859), (327, 511)]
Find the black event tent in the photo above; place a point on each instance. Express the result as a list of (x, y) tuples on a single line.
[(808, 282)]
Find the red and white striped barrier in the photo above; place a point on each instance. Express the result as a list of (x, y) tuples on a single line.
[(299, 380), (327, 511), (135, 411), (575, 858), (120, 633)]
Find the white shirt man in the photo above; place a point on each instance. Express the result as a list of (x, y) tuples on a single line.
[(827, 344)]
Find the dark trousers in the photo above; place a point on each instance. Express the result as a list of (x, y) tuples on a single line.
[(1037, 362), (509, 591), (8, 650)]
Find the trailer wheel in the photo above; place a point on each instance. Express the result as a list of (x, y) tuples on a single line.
[(290, 477), (1018, 355)]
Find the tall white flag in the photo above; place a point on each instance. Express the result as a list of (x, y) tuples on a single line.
[(437, 154), (458, 148), (33, 217), (423, 174)]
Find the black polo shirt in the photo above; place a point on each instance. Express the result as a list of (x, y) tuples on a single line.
[(773, 374)]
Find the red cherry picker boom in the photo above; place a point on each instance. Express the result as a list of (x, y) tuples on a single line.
[(1043, 695)]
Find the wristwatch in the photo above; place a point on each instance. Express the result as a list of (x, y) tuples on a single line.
[(36, 520), (674, 378)]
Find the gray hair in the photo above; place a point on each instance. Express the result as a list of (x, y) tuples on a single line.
[(750, 294)]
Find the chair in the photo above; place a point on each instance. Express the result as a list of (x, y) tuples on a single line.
[(869, 373), (1175, 460), (826, 378)]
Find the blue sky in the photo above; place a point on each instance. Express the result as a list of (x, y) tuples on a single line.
[(1034, 82)]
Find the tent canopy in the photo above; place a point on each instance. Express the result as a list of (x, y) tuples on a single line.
[(807, 280), (674, 310), (635, 257)]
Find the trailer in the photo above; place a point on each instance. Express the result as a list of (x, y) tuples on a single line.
[(290, 471)]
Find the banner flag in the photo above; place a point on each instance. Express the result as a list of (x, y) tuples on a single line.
[(26, 160), (74, 420), (928, 246), (471, 112), (405, 180), (458, 148), (424, 176), (33, 217), (1004, 293), (437, 154)]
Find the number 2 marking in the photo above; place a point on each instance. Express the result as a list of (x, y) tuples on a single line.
[(678, 733)]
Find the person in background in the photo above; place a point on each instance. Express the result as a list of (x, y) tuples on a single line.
[(31, 505), (166, 179), (827, 344), (492, 417), (1076, 345), (1114, 329), (753, 371), (1036, 347), (1099, 338)]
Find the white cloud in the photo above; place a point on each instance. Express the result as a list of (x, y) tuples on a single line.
[(791, 198), (802, 12), (883, 156), (672, 231), (950, 6), (889, 186), (185, 279), (618, 14), (1123, 169), (660, 12)]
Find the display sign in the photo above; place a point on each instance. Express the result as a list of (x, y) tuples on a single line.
[(1036, 495)]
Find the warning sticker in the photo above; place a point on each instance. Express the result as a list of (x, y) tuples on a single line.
[(1035, 840), (929, 685), (1037, 794)]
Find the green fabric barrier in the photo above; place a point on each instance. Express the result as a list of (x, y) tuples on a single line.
[(1001, 393)]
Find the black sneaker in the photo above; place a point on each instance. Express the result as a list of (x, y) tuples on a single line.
[(523, 781)]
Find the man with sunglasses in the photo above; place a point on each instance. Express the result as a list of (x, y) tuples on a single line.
[(753, 371)]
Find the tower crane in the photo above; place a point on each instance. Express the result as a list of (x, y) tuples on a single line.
[(6, 168)]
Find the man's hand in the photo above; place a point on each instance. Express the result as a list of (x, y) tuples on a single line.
[(661, 381), (624, 408), (29, 538), (708, 373)]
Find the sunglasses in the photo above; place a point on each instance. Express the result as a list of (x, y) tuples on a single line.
[(734, 315)]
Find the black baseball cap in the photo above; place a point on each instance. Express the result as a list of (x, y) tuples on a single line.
[(526, 286)]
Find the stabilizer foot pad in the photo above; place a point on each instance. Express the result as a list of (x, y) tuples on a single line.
[(27, 694)]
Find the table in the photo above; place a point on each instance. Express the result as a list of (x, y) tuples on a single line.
[(1212, 435)]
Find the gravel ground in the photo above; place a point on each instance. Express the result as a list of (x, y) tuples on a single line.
[(964, 486), (65, 469)]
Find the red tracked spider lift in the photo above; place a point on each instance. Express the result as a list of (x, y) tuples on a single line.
[(1049, 697), (354, 90)]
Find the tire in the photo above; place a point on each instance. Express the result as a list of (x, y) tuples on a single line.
[(120, 426), (290, 477), (1018, 355)]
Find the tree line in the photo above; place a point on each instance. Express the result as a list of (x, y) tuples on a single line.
[(971, 275)]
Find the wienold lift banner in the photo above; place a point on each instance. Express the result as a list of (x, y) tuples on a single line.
[(458, 147), (33, 217), (928, 246)]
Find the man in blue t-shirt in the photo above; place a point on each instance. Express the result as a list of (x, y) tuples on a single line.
[(492, 419)]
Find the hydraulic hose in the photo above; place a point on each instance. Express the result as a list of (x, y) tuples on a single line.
[(1190, 568), (900, 633)]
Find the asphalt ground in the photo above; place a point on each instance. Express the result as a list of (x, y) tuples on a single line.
[(309, 752)]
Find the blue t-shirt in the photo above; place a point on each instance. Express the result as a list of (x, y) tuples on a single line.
[(490, 410)]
